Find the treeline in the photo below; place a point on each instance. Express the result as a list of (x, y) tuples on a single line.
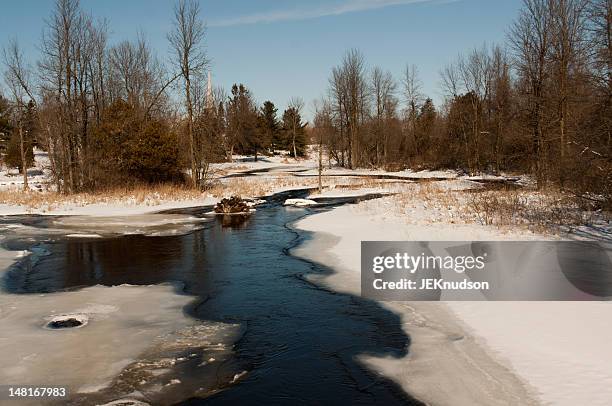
[(114, 114), (541, 103)]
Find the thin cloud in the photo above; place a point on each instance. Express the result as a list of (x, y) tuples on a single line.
[(348, 6)]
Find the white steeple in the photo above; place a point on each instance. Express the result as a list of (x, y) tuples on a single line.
[(209, 95)]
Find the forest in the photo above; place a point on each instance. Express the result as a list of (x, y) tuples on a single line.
[(118, 114)]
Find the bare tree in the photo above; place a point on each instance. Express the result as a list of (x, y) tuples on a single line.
[(66, 72), (500, 101), (187, 41), (600, 29), (297, 104), (383, 88), (413, 98), (568, 25), (98, 68), (469, 80), (530, 39), (323, 127), (348, 87), (17, 78)]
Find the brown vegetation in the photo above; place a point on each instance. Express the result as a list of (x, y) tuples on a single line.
[(540, 104)]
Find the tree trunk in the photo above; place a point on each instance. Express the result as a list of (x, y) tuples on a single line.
[(24, 164), (320, 163), (294, 135)]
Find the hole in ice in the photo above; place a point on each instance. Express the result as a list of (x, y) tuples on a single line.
[(126, 402), (67, 321)]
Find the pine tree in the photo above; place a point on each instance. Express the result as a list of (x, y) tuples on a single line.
[(242, 122), (270, 127), (5, 125), (13, 158), (426, 121), (128, 149)]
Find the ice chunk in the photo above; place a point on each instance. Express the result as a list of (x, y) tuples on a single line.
[(299, 202)]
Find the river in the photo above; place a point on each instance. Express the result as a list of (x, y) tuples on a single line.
[(292, 342)]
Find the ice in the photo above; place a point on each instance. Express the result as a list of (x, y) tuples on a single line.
[(121, 323), (94, 227), (238, 376), (125, 402), (299, 202), (84, 236), (145, 224)]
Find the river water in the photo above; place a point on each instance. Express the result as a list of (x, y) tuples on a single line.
[(293, 343)]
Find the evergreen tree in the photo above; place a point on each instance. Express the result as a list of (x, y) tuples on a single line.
[(27, 130), (5, 125), (126, 148), (426, 122), (270, 127), (242, 122)]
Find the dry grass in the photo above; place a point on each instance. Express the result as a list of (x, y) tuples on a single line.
[(542, 211), (435, 202), (420, 202), (257, 186), (149, 195)]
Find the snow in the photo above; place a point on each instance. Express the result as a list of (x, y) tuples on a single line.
[(37, 176), (480, 353), (299, 202), (561, 348), (120, 208), (83, 236)]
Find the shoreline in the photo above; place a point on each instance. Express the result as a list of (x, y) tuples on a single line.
[(445, 363), (468, 353)]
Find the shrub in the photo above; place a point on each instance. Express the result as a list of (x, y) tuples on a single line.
[(129, 149)]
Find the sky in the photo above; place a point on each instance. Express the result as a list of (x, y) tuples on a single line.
[(283, 49)]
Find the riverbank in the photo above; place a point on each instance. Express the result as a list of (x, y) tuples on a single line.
[(480, 353), (460, 354)]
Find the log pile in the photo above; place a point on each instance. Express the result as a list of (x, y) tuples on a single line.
[(231, 205)]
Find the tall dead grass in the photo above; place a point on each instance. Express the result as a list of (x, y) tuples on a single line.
[(540, 211), (254, 186), (141, 194)]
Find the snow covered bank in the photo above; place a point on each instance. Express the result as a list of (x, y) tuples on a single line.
[(481, 353), (561, 348), (127, 207)]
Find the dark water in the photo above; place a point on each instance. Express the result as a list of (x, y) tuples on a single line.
[(299, 342)]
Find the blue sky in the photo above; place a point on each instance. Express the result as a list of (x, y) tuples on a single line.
[(281, 49)]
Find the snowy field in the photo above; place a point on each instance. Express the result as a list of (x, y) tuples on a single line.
[(471, 353)]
